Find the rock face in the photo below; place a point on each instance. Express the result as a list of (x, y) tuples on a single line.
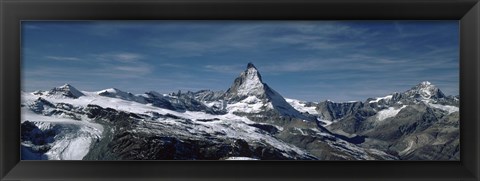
[(331, 111), (249, 121)]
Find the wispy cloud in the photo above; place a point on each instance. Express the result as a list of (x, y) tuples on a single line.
[(61, 58), (258, 37), (122, 57), (225, 68), (120, 65), (133, 70)]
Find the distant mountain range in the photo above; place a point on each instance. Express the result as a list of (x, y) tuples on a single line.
[(249, 121)]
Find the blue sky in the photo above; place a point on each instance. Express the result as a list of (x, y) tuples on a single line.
[(307, 60)]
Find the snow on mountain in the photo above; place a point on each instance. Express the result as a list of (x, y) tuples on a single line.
[(302, 106), (381, 98), (237, 114), (78, 133), (116, 93), (388, 113), (227, 126), (325, 122), (231, 126), (253, 83), (248, 85), (425, 90), (74, 135), (280, 104), (251, 104), (65, 91), (448, 108), (240, 158)]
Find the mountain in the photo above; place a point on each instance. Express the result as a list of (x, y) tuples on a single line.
[(421, 118), (249, 94), (425, 90), (248, 121), (116, 93), (65, 91)]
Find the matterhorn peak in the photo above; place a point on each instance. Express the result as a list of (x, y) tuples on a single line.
[(252, 73), (249, 88), (249, 83), (250, 65)]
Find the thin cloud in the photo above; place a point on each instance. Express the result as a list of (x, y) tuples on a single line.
[(133, 70), (60, 58), (123, 57), (257, 37), (224, 68)]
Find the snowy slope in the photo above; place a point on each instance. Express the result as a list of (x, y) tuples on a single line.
[(381, 98), (74, 136), (116, 93), (230, 125), (251, 104), (388, 113), (448, 108), (301, 106), (209, 116), (77, 136)]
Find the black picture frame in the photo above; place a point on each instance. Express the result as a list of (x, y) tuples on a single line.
[(12, 12)]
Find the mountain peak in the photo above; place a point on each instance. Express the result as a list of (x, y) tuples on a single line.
[(425, 83), (66, 86), (66, 90), (250, 65), (249, 86), (425, 90), (426, 86), (249, 83), (110, 90), (114, 92)]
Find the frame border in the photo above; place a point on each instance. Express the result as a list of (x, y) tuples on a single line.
[(14, 11)]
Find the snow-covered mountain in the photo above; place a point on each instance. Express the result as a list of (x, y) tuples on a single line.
[(421, 119), (249, 94), (64, 91), (249, 121)]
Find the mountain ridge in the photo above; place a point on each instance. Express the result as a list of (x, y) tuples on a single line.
[(249, 120)]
